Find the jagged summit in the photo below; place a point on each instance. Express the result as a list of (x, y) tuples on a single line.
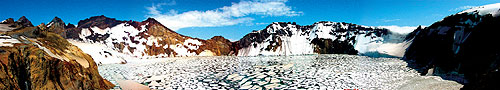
[(218, 38), (57, 20), (57, 26), (99, 21), (152, 20), (24, 22), (7, 21), (19, 24), (70, 25)]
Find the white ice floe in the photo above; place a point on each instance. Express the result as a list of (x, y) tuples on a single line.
[(327, 72)]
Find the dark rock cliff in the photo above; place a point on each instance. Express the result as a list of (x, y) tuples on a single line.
[(462, 47)]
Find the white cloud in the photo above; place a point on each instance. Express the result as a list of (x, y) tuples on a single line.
[(390, 20), (228, 15), (461, 8), (171, 3), (399, 29), (261, 23)]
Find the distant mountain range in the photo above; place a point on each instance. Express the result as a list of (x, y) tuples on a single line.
[(281, 38), (120, 40), (460, 47)]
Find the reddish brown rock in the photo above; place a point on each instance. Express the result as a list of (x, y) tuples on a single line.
[(44, 60), (162, 37)]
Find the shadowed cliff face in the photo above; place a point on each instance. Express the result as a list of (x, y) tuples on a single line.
[(34, 58), (462, 47)]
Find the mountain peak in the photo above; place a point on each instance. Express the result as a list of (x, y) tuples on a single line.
[(100, 17), (24, 21), (152, 21), (99, 21), (70, 25), (218, 38), (22, 18), (7, 21), (56, 19)]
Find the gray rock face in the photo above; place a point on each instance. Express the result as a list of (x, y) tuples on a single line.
[(461, 47)]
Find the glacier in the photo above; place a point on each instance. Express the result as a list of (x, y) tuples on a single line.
[(281, 38)]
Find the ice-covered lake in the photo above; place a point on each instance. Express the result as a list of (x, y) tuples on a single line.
[(325, 71)]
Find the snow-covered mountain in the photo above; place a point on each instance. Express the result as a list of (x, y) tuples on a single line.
[(120, 40), (461, 47), (114, 41), (281, 38)]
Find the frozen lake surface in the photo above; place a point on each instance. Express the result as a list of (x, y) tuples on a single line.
[(325, 71)]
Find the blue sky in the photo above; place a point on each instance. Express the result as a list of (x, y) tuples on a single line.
[(235, 18)]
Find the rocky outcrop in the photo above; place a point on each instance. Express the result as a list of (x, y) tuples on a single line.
[(7, 21), (19, 24), (461, 47), (219, 46), (38, 59), (23, 21), (57, 26)]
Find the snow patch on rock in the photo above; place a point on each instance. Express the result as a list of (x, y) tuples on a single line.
[(493, 9), (101, 53), (7, 41)]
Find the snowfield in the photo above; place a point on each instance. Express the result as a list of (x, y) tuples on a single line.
[(7, 41), (101, 53), (492, 9), (325, 71), (298, 40)]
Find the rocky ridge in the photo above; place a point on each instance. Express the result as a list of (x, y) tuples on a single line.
[(150, 39), (461, 47), (34, 58)]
